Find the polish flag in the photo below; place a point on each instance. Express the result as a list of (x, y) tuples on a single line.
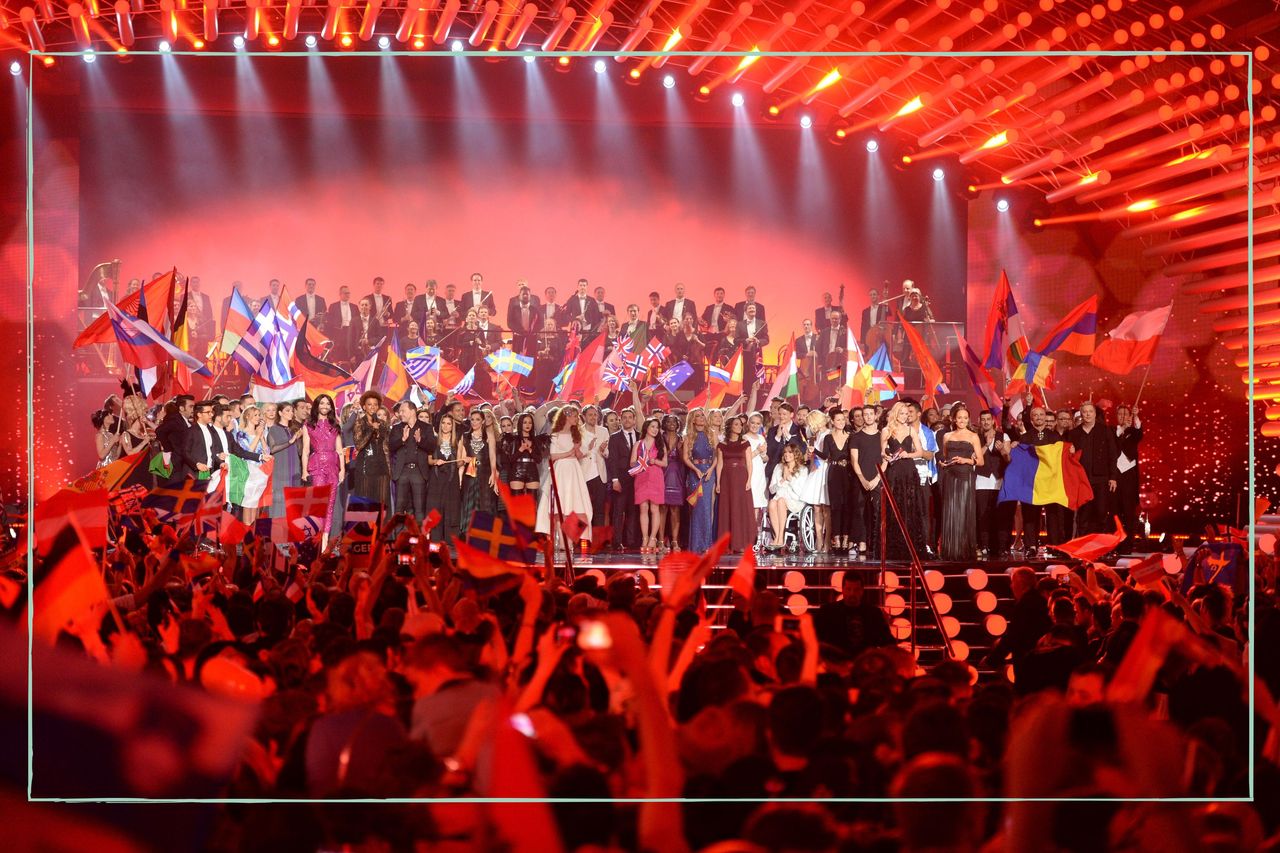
[(1132, 343)]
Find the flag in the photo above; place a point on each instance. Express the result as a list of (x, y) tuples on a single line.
[(159, 290), (1093, 546), (317, 375), (506, 361), (483, 574), (268, 392), (885, 381), (928, 364), (396, 380), (248, 482), (142, 346), (66, 584), (1035, 372), (1149, 571), (983, 385), (361, 511), (491, 534), (251, 350), (465, 383), (521, 509), (1006, 340), (1076, 333), (305, 508), (1047, 474), (583, 380), (173, 503), (696, 495), (675, 376), (787, 382), (231, 530), (733, 382), (239, 319), (655, 353), (87, 509), (719, 375), (615, 377), (421, 362), (1133, 342), (127, 501), (743, 580), (110, 476)]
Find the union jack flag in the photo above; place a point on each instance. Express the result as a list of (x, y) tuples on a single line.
[(615, 378)]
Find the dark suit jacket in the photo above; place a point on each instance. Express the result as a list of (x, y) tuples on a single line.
[(222, 443), (639, 335), (589, 318), (423, 304), (333, 318), (405, 451), (803, 347), (353, 334), (492, 337), (619, 461), (467, 301), (606, 308), (524, 339), (774, 445), (318, 318), (690, 307), (762, 331), (819, 317), (740, 311), (402, 314), (172, 435), (866, 318), (1127, 443), (380, 313), (726, 311)]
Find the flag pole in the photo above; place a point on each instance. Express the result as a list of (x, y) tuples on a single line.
[(1142, 385)]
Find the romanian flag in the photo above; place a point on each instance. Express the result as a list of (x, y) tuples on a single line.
[(158, 292), (1076, 333), (1006, 340), (1047, 474), (1133, 342)]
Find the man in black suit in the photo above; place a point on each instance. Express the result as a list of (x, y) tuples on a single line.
[(379, 302), (740, 309), (477, 296), (402, 313), (342, 314), (549, 309), (626, 523), (451, 314), (677, 308), (872, 316), (523, 321), (364, 333), (654, 318), (605, 307), (226, 303), (822, 315), (311, 305), (207, 445), (717, 314), (172, 435), (273, 292), (833, 346), (425, 303), (412, 442), (582, 309), (785, 431), (753, 335), (200, 319), (490, 333), (811, 355), (1128, 436)]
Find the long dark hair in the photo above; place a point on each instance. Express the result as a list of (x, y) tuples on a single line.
[(332, 417), (659, 442)]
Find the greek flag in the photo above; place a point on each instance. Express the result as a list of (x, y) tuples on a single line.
[(421, 361), (464, 387)]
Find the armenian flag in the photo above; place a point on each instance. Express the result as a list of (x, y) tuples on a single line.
[(1076, 333), (1047, 474)]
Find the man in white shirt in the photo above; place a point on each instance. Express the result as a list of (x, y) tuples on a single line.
[(311, 304), (338, 326), (605, 307), (582, 309), (1128, 481), (477, 296), (379, 301), (677, 308)]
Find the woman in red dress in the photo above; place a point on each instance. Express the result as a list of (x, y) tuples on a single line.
[(737, 515)]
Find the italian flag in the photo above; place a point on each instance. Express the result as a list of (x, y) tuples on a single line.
[(249, 483)]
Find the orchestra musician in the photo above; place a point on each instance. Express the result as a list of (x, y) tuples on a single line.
[(311, 304), (200, 328), (874, 317), (810, 357), (822, 315), (452, 308), (677, 308), (690, 347), (635, 328), (582, 310), (477, 296), (549, 358), (379, 302), (753, 334), (523, 320), (834, 346)]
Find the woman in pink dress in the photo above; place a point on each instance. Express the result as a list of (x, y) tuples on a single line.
[(322, 457), (650, 456)]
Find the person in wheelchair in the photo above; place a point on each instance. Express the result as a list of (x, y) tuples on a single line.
[(786, 488)]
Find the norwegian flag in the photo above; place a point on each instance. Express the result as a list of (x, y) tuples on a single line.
[(655, 352), (635, 365)]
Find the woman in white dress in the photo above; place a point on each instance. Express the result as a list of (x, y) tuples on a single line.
[(787, 486), (565, 457), (760, 447), (815, 485)]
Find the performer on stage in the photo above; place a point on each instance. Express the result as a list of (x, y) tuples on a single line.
[(1128, 482), (787, 487), (649, 454), (994, 519), (673, 478), (595, 441), (477, 296), (715, 315), (379, 302), (523, 321), (699, 457), (523, 452), (625, 513), (740, 309), (444, 488), (1098, 456), (1038, 433), (735, 508), (480, 474), (412, 443), (961, 453), (565, 455), (582, 310), (900, 446), (866, 453), (838, 452), (323, 456), (679, 308), (370, 465)]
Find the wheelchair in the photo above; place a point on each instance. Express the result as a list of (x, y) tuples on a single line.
[(800, 535)]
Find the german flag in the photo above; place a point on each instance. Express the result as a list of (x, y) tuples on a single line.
[(67, 586)]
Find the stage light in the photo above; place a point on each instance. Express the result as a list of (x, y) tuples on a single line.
[(419, 43), (872, 146), (1142, 206), (384, 43), (1002, 205), (311, 41), (273, 40), (938, 174), (599, 66), (906, 159), (48, 61), (668, 82), (456, 46), (238, 41), (346, 40), (165, 47), (528, 60), (737, 100), (634, 73), (14, 68), (89, 56), (806, 122), (198, 44)]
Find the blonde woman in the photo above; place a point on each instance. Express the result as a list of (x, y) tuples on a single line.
[(565, 458), (786, 486), (251, 434), (815, 485), (715, 425), (760, 448), (699, 454), (901, 444)]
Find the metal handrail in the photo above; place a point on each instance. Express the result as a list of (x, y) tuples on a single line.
[(917, 568)]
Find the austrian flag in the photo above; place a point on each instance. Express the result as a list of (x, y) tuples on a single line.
[(1132, 343)]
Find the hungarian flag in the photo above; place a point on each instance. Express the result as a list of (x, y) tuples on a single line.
[(787, 383), (67, 586), (1132, 343), (158, 292)]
